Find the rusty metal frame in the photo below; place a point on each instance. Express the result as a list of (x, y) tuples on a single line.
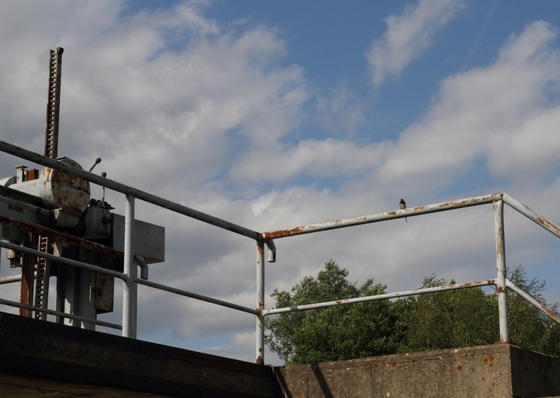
[(501, 283), (129, 276)]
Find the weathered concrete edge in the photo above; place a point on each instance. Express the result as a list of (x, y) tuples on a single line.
[(498, 370), (45, 349)]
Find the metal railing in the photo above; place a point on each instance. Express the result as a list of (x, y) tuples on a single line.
[(130, 278)]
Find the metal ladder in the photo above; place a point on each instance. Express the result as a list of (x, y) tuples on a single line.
[(42, 277)]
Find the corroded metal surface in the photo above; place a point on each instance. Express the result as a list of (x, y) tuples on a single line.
[(368, 219), (53, 103), (64, 190), (60, 236), (125, 189)]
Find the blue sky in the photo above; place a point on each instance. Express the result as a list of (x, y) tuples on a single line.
[(279, 114)]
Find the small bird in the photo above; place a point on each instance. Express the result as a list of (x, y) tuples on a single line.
[(402, 204)]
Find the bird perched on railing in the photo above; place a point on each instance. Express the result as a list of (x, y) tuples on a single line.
[(402, 205)]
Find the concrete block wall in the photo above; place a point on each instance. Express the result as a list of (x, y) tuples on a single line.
[(499, 370)]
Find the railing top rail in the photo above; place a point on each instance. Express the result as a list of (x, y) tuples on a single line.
[(413, 211), (416, 211), (299, 230), (127, 190)]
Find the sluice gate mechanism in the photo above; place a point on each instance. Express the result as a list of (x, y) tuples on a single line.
[(51, 212)]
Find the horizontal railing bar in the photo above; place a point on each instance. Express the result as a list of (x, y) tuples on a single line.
[(121, 276), (62, 260), (10, 279), (413, 211), (127, 190), (532, 300), (62, 314), (196, 296), (379, 297), (530, 214)]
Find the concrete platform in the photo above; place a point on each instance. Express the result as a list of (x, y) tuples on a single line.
[(39, 359), (498, 370), (42, 359)]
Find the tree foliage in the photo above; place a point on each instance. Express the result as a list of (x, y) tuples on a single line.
[(334, 333), (529, 327), (447, 319)]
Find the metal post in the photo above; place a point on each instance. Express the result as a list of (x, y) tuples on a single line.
[(129, 285), (501, 270), (260, 303)]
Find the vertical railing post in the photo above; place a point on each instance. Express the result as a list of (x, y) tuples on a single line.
[(129, 286), (260, 304), (501, 270)]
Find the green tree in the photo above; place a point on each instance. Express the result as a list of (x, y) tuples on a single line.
[(529, 327), (449, 319), (446, 319), (334, 333)]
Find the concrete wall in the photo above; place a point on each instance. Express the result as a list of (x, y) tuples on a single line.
[(534, 374), (499, 370), (39, 357), (44, 357)]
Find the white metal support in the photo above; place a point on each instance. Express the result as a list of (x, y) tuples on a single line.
[(501, 270), (260, 303), (130, 311)]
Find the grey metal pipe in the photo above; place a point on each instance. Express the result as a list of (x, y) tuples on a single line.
[(260, 324), (501, 270), (144, 270), (10, 279), (125, 189), (130, 289), (530, 214), (61, 314), (533, 301), (196, 296), (384, 296)]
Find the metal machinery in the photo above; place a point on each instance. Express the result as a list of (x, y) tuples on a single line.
[(52, 212)]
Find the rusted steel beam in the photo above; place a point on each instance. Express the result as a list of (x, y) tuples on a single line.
[(60, 236), (62, 260), (53, 103), (413, 211)]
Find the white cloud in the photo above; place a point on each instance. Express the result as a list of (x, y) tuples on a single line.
[(204, 120), (317, 158), (408, 35), (341, 112), (500, 112)]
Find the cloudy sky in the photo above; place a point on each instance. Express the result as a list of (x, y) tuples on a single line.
[(273, 115)]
